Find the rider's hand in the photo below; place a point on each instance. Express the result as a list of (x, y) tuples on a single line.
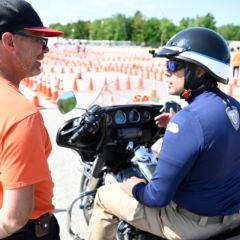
[(128, 185), (163, 119)]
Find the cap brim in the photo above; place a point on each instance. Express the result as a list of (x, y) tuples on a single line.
[(48, 32)]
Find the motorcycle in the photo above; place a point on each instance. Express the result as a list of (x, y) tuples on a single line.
[(114, 142)]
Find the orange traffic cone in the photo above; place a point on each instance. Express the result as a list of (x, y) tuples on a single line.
[(79, 75), (140, 83), (62, 70), (43, 89), (75, 86), (153, 94), (55, 91), (39, 85), (71, 70), (105, 84), (48, 89), (30, 84), (52, 70), (117, 85), (235, 82), (161, 74), (128, 84), (90, 86), (35, 95)]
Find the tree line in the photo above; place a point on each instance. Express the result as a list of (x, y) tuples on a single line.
[(140, 29)]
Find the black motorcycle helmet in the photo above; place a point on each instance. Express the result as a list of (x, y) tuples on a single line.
[(200, 47)]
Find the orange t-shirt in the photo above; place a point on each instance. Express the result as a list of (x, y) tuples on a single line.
[(24, 148)]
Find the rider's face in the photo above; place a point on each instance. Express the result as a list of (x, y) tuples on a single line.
[(175, 81)]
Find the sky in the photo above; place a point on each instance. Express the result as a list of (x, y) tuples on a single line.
[(67, 11)]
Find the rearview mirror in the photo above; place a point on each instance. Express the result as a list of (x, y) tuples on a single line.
[(66, 102)]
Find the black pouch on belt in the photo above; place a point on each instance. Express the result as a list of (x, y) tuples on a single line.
[(42, 225)]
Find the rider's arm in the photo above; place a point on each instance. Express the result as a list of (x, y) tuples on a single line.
[(182, 142), (16, 208)]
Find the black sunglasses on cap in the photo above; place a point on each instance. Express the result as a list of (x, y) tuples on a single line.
[(173, 66), (43, 39)]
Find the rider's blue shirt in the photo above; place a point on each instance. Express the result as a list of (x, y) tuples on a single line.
[(199, 163)]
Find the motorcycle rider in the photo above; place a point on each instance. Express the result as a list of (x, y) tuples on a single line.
[(195, 190)]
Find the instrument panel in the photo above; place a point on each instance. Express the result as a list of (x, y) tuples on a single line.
[(131, 122), (130, 115), (124, 116)]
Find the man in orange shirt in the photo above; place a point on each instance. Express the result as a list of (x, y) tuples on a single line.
[(26, 187)]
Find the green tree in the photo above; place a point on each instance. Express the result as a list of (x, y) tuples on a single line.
[(107, 29), (137, 27), (81, 30), (185, 23), (69, 30), (151, 30), (168, 29), (120, 27), (158, 30), (95, 30), (207, 21), (230, 32)]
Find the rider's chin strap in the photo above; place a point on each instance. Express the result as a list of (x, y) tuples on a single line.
[(186, 93), (191, 80)]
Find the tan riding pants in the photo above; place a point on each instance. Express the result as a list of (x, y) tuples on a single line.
[(112, 203)]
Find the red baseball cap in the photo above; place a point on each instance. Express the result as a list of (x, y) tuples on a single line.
[(16, 15)]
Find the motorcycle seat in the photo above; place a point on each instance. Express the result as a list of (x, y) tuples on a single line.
[(230, 235)]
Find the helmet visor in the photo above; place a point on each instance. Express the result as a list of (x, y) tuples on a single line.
[(169, 51)]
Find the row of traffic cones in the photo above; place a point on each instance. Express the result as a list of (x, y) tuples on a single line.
[(44, 90), (43, 87)]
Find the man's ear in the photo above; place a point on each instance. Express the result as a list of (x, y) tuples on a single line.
[(199, 72), (7, 41)]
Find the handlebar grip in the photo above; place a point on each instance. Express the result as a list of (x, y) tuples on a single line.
[(83, 130), (93, 115)]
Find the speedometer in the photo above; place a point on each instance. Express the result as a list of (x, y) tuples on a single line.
[(134, 116), (146, 116), (120, 117)]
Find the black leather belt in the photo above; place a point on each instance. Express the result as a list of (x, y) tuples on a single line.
[(43, 221)]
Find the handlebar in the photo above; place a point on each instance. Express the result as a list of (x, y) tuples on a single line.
[(89, 121)]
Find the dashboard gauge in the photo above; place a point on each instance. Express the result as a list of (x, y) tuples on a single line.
[(134, 116), (120, 117), (146, 116), (109, 119)]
